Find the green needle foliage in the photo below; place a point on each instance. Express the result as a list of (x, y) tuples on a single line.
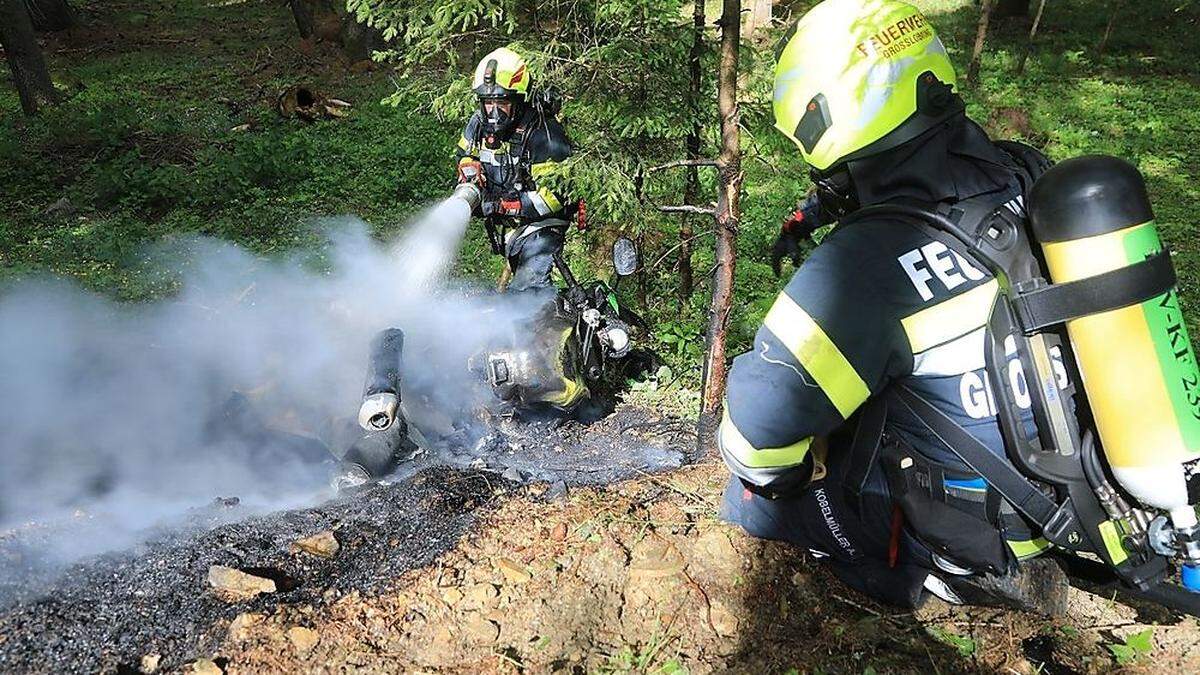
[(145, 148), (620, 66)]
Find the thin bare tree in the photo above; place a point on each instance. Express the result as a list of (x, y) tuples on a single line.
[(728, 213), (24, 56), (1033, 29), (985, 13), (1114, 10), (691, 188)]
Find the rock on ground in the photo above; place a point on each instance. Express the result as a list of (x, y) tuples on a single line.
[(106, 613), (322, 544), (235, 585)]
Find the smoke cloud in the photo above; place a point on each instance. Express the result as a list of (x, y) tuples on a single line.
[(240, 385)]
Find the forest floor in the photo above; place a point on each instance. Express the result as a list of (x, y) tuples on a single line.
[(463, 571), (634, 576), (567, 548), (640, 576)]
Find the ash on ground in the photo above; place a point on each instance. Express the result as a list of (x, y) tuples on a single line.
[(626, 443), (107, 612)]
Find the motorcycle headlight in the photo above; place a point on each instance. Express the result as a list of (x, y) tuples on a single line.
[(616, 340)]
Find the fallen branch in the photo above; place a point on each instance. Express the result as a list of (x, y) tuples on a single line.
[(689, 208), (894, 619), (656, 263), (682, 162)]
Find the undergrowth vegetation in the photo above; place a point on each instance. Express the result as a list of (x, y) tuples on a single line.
[(171, 131)]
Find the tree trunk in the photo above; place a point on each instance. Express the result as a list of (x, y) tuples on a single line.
[(330, 20), (760, 15), (728, 210), (302, 11), (691, 189), (358, 39), (1115, 8), (985, 13), (643, 295), (50, 15), (24, 57), (643, 287), (1037, 20)]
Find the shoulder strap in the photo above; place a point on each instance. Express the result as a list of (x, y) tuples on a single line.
[(1028, 158), (999, 474), (516, 142), (937, 225)]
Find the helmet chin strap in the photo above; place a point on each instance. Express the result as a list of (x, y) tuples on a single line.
[(835, 192)]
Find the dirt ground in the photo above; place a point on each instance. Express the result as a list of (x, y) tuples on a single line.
[(640, 576)]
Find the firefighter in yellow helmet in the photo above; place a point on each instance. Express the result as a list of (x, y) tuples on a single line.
[(511, 147), (867, 93)]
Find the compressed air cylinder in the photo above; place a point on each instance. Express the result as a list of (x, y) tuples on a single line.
[(1091, 215)]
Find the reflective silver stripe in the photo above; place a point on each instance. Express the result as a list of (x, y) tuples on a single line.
[(538, 203), (494, 157)]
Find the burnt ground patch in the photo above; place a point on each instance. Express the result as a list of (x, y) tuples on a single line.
[(113, 609), (106, 612)]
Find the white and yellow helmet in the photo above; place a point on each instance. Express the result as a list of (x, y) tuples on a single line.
[(852, 72), (501, 74)]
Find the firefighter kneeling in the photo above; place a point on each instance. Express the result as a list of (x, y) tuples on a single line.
[(920, 348), (866, 91)]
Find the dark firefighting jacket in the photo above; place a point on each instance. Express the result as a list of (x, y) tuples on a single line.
[(879, 303), (522, 165)]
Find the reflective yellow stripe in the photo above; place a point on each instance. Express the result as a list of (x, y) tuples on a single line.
[(571, 389), (1029, 548), (463, 143), (951, 318), (1112, 542), (817, 353), (551, 200), (733, 443), (542, 169)]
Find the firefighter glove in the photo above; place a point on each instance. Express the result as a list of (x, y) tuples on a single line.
[(796, 228), (470, 171)]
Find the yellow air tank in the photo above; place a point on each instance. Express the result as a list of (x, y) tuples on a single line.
[(1091, 215)]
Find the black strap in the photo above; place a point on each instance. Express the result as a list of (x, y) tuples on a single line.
[(495, 233), (1000, 474), (864, 448), (937, 482), (991, 506), (1122, 287)]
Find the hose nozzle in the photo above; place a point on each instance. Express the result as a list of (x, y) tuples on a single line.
[(469, 193)]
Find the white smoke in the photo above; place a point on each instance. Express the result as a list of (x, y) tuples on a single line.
[(240, 385)]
